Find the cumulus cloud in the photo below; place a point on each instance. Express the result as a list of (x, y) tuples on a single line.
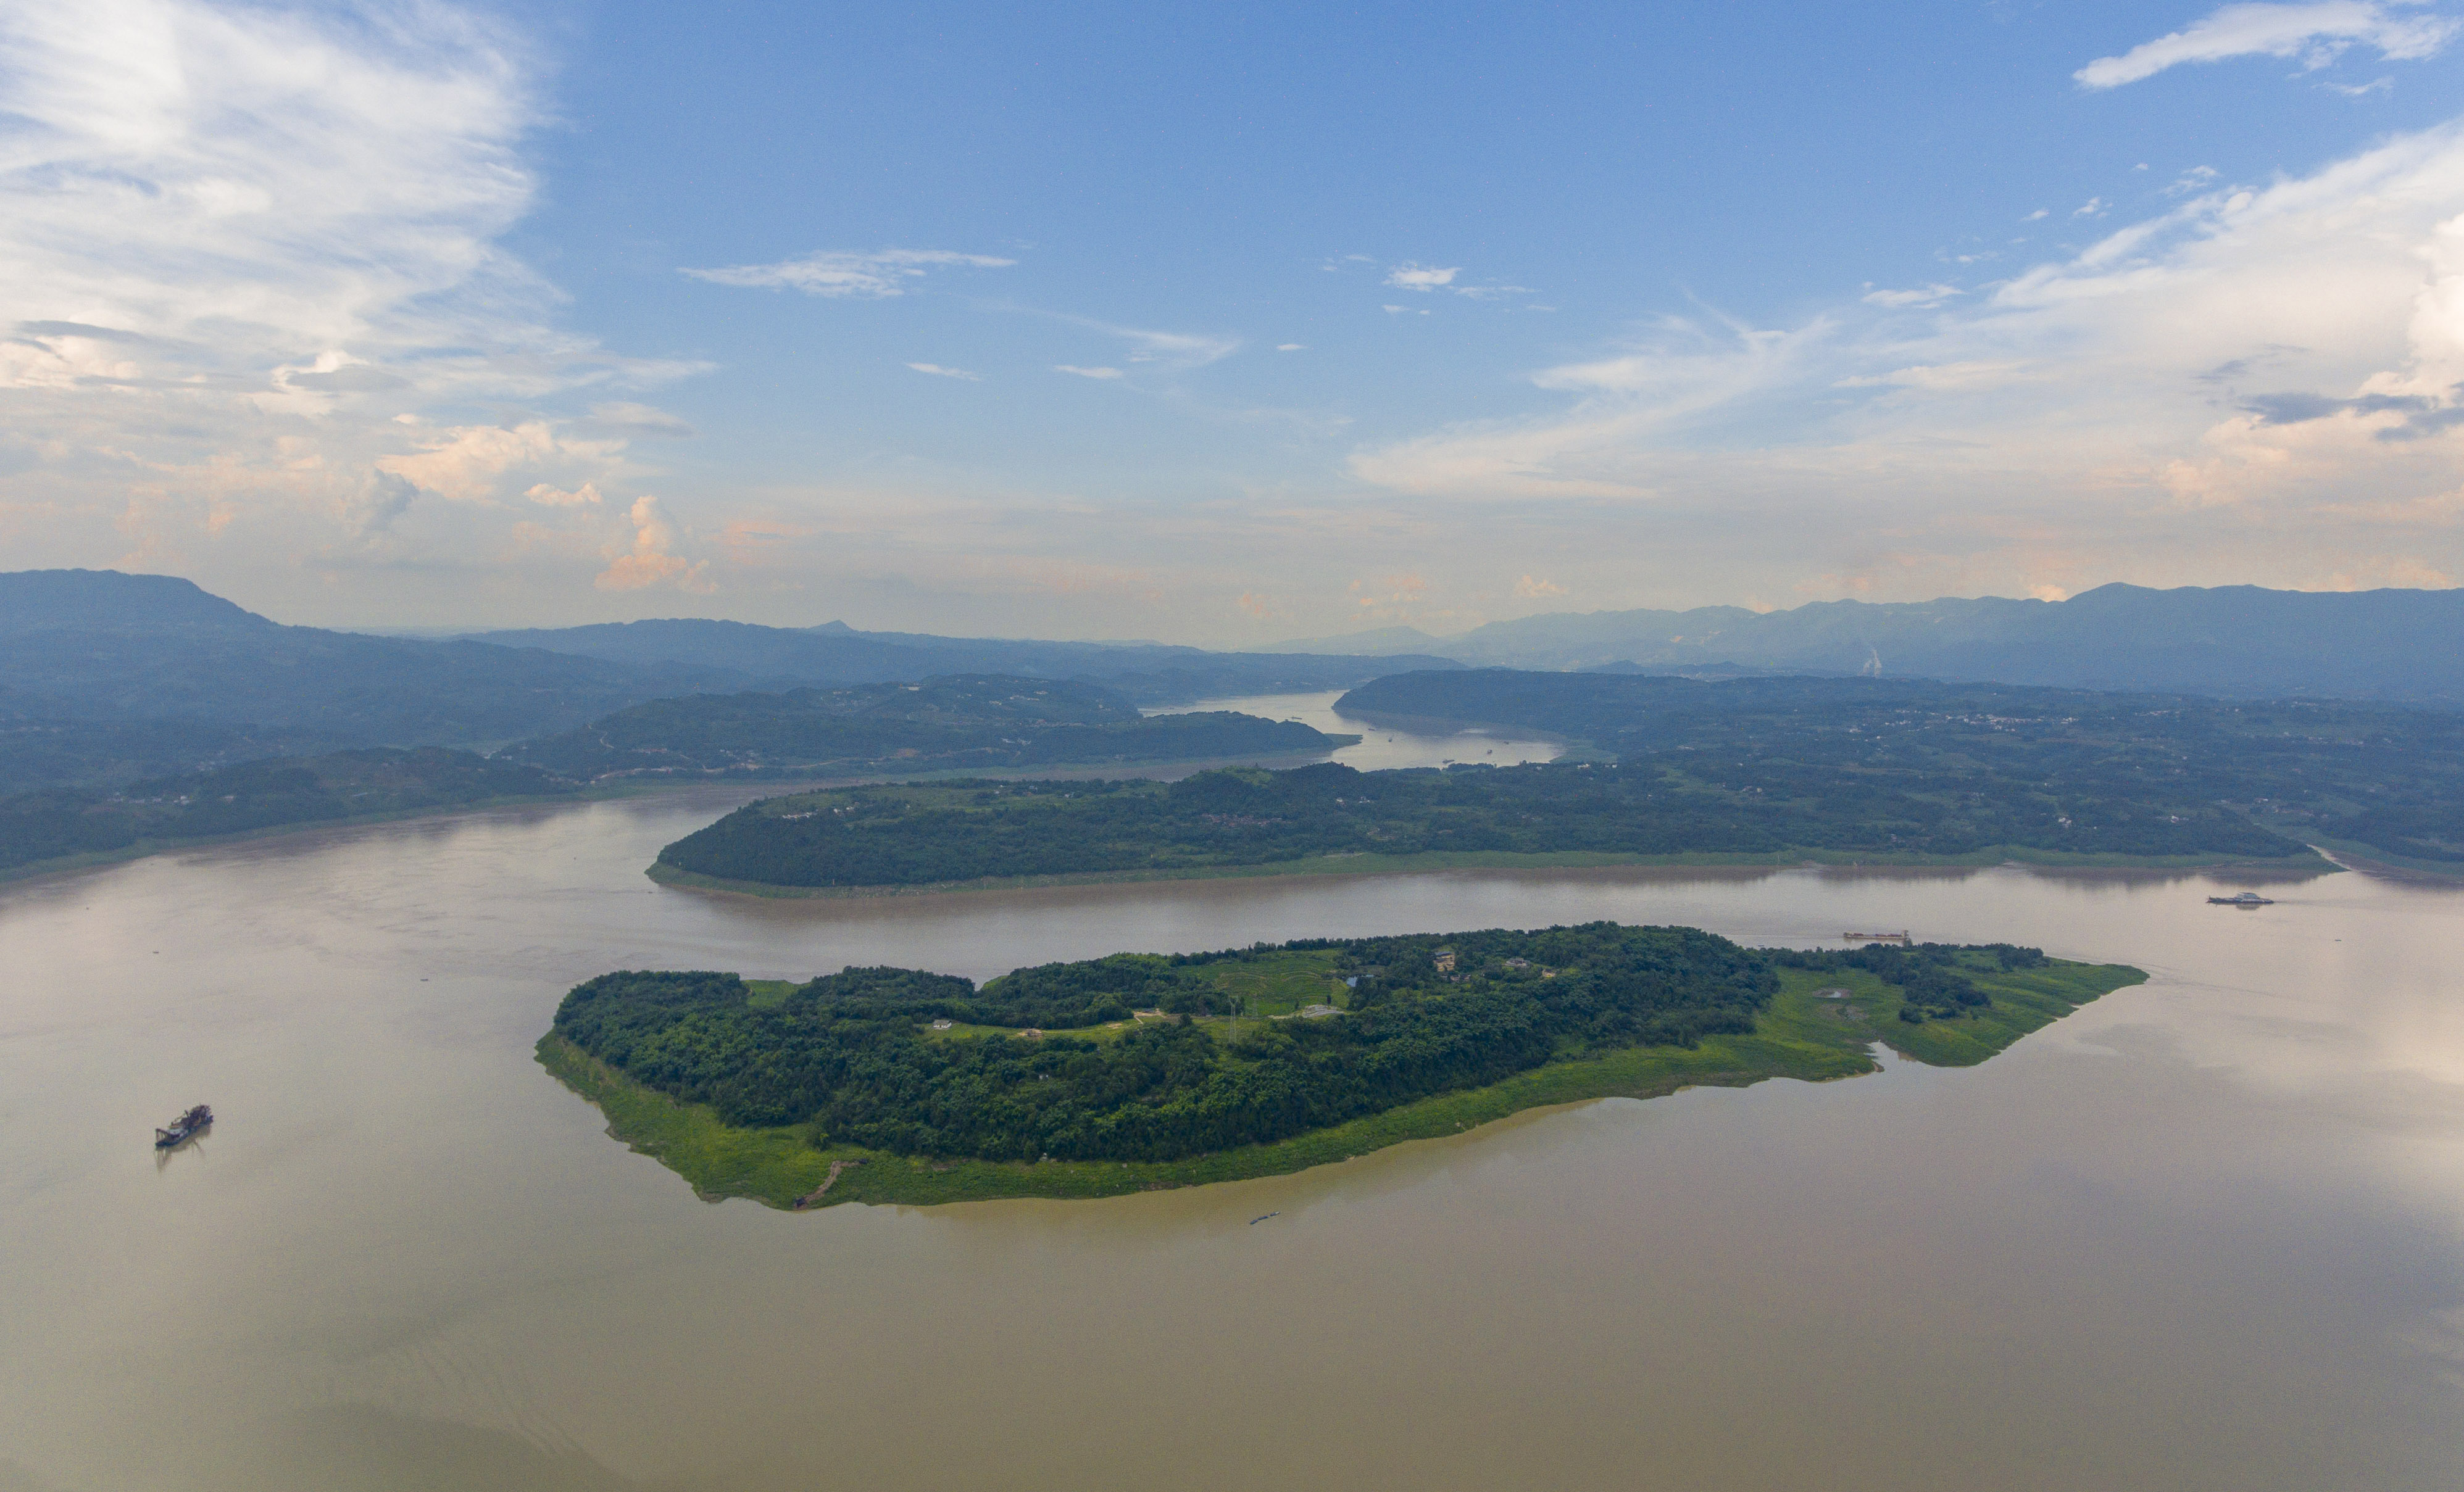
[(2314, 34), (938, 371), (1535, 588), (652, 559), (871, 276)]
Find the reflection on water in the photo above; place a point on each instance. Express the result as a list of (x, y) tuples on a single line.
[(2208, 1233), (1381, 748)]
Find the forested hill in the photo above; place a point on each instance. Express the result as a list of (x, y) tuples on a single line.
[(965, 723), (105, 677), (60, 823), (2379, 780)]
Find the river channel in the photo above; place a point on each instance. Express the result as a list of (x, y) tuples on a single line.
[(2208, 1233)]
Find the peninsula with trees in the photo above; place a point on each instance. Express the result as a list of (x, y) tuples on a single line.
[(1140, 1072)]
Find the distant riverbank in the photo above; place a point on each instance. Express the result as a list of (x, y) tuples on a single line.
[(2307, 861), (628, 788), (1819, 1026)]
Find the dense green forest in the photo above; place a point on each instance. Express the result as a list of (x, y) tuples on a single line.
[(916, 835), (1152, 1058), (852, 1055), (969, 722), (256, 795), (2385, 777)]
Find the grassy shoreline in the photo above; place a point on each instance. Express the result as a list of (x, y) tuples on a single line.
[(2305, 861), (1802, 1036)]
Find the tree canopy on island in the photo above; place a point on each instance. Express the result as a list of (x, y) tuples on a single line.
[(854, 1054)]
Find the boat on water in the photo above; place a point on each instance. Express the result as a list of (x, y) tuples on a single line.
[(2245, 899), (193, 1122), (1875, 938)]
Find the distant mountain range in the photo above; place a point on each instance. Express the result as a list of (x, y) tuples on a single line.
[(106, 677), (835, 654), (2235, 641)]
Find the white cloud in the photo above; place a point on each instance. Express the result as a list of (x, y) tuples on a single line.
[(1404, 310), (1424, 278), (938, 371), (244, 247), (1066, 368), (1940, 378), (1166, 349), (650, 557), (1291, 346), (2274, 352), (2315, 34), (1930, 295), (2094, 207), (875, 275), (2361, 90), (586, 494), (2032, 217)]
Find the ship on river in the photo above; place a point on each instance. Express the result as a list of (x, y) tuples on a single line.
[(193, 1122), (2245, 899)]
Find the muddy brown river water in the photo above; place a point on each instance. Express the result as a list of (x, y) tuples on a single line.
[(2208, 1233)]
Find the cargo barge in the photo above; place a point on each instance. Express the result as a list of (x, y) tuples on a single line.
[(194, 1122)]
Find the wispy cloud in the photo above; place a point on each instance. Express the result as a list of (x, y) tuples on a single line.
[(1897, 299), (2315, 34), (938, 371), (2075, 381), (1099, 373), (871, 277), (1431, 278), (1174, 350)]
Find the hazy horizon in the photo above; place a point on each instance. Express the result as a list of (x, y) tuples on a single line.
[(1219, 328)]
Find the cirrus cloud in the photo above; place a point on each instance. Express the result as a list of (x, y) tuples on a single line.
[(2315, 34), (871, 276)]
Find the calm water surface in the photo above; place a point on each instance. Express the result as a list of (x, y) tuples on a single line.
[(2206, 1233), (1382, 748)]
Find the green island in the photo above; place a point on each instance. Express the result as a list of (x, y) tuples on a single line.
[(1138, 1072)]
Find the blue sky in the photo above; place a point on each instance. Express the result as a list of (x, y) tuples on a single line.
[(1226, 325)]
